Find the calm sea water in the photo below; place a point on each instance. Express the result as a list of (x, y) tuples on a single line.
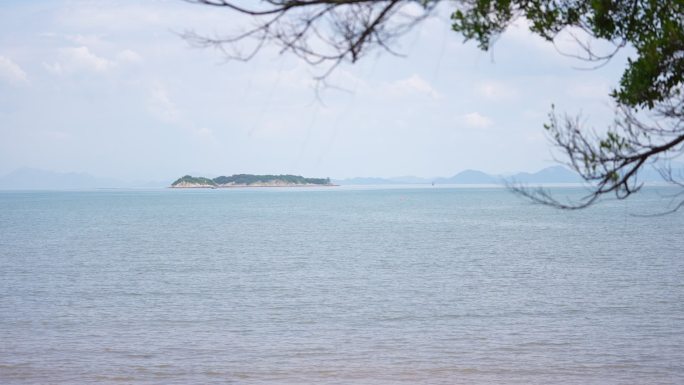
[(337, 286)]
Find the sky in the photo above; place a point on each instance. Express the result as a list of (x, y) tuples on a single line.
[(109, 88)]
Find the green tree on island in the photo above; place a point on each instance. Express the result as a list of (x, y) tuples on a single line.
[(249, 180), (649, 123)]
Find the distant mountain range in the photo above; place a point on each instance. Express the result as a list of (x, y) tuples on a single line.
[(555, 174), (549, 175), (35, 179)]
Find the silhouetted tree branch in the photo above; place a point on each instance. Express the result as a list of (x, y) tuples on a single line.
[(321, 32), (610, 162)]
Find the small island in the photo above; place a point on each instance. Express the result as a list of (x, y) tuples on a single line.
[(248, 180)]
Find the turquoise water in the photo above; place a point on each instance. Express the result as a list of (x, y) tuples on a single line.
[(337, 286)]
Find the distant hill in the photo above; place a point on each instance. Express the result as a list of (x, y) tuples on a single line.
[(470, 177), (549, 175), (555, 174), (36, 179)]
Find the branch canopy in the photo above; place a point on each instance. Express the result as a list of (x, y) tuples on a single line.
[(328, 32)]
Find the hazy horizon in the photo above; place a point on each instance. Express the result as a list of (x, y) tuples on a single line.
[(213, 175)]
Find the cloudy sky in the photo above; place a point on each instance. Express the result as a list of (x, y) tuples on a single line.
[(109, 88)]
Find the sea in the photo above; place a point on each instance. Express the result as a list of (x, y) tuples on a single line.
[(339, 285)]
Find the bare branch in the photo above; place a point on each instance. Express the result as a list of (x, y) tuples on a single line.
[(321, 32), (610, 163)]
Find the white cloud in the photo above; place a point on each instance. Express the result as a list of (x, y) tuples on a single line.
[(55, 68), (496, 91), (411, 86), (566, 44), (75, 59), (159, 103), (519, 32), (346, 80), (205, 132), (412, 10), (11, 73), (82, 58), (85, 40), (476, 120), (128, 56)]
